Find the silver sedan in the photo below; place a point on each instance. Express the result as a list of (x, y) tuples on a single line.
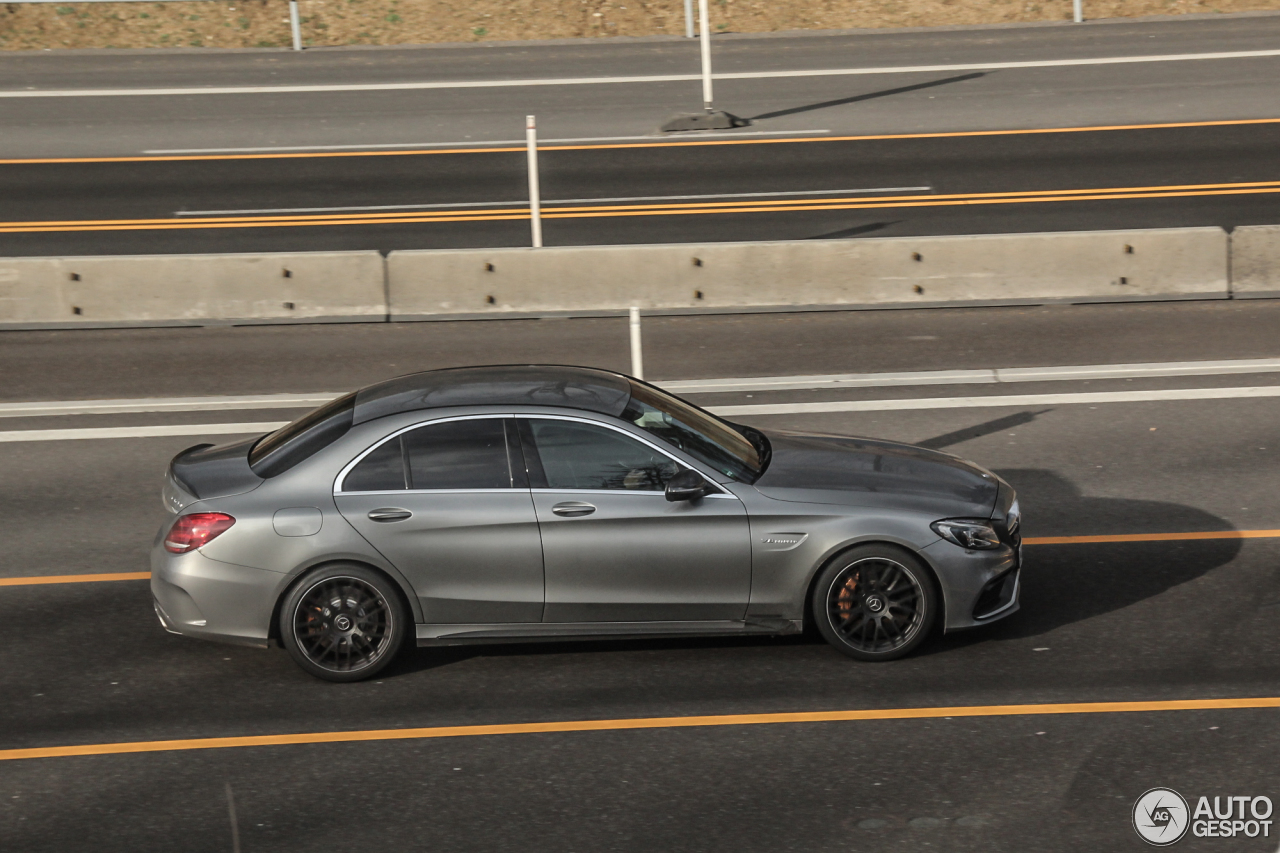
[(499, 504)]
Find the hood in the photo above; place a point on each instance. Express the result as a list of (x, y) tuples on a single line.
[(207, 471), (816, 468)]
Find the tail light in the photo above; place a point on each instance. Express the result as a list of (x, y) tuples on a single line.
[(192, 531)]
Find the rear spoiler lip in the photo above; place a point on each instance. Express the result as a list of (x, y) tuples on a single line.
[(173, 472)]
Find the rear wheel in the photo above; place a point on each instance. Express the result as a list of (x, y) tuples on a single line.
[(343, 622), (875, 602)]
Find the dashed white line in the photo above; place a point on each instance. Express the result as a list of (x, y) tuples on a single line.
[(999, 401), (652, 78), (919, 403), (553, 201), (486, 143), (983, 376)]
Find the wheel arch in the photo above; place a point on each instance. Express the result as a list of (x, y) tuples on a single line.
[(398, 583), (839, 551)]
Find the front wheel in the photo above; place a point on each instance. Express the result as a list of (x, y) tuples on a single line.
[(343, 622), (875, 602)]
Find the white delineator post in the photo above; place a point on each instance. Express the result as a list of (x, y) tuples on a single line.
[(295, 25), (688, 19), (1078, 10), (705, 36), (637, 355), (535, 200)]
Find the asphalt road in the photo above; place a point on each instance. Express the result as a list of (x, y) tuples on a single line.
[(1224, 175), (1101, 622), (912, 177), (885, 102)]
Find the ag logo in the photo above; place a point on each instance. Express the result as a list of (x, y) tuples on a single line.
[(1160, 816)]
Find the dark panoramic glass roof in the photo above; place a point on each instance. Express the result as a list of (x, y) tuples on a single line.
[(505, 385)]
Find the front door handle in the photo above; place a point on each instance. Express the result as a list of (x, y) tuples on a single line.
[(389, 514), (573, 509)]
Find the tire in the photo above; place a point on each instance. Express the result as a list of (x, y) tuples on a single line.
[(343, 622), (875, 602)]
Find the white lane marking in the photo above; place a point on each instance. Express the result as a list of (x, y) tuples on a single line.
[(165, 404), (1000, 401), (653, 78), (485, 143), (139, 431), (525, 202), (985, 376), (735, 411)]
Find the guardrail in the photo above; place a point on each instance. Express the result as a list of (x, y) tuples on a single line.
[(885, 272)]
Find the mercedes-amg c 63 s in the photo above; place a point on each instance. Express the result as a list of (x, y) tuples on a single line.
[(521, 503)]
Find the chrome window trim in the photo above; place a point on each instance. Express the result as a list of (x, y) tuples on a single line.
[(642, 492), (342, 475), (430, 492)]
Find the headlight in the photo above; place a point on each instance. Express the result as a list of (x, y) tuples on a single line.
[(969, 533)]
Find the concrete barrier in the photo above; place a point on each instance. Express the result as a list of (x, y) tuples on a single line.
[(162, 290), (1087, 266), (1255, 261)]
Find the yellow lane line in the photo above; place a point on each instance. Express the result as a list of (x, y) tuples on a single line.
[(1153, 537), (673, 209), (640, 210), (162, 158), (640, 723), (49, 579), (1030, 540), (698, 205)]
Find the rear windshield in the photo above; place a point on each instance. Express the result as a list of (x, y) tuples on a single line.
[(279, 451)]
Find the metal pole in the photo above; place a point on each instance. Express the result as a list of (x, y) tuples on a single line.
[(688, 19), (706, 54), (535, 197), (637, 355), (1078, 9), (295, 25)]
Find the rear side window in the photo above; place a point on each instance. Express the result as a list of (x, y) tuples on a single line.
[(279, 451), (469, 454)]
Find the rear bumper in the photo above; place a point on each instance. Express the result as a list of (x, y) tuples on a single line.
[(198, 597)]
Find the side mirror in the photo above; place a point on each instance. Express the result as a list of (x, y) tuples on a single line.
[(688, 485)]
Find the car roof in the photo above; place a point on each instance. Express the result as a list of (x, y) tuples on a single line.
[(583, 388)]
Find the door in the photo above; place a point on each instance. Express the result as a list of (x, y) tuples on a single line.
[(446, 506), (614, 548)]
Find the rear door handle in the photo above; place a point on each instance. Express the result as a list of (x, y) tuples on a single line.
[(573, 509), (389, 514)]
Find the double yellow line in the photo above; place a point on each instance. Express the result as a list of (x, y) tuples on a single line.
[(669, 209)]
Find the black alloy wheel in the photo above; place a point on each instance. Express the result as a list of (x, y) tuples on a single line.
[(875, 603), (343, 622)]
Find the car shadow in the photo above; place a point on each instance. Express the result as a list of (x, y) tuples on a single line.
[(1062, 584), (868, 96)]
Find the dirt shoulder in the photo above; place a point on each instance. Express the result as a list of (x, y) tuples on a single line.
[(265, 23)]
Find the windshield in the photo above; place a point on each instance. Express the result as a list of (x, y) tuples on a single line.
[(703, 436)]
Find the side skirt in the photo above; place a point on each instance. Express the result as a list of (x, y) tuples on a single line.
[(515, 632)]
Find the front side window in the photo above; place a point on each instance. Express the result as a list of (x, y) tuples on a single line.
[(467, 454), (576, 455), (700, 434)]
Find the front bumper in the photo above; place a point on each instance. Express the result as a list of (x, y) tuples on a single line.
[(978, 587), (199, 597)]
